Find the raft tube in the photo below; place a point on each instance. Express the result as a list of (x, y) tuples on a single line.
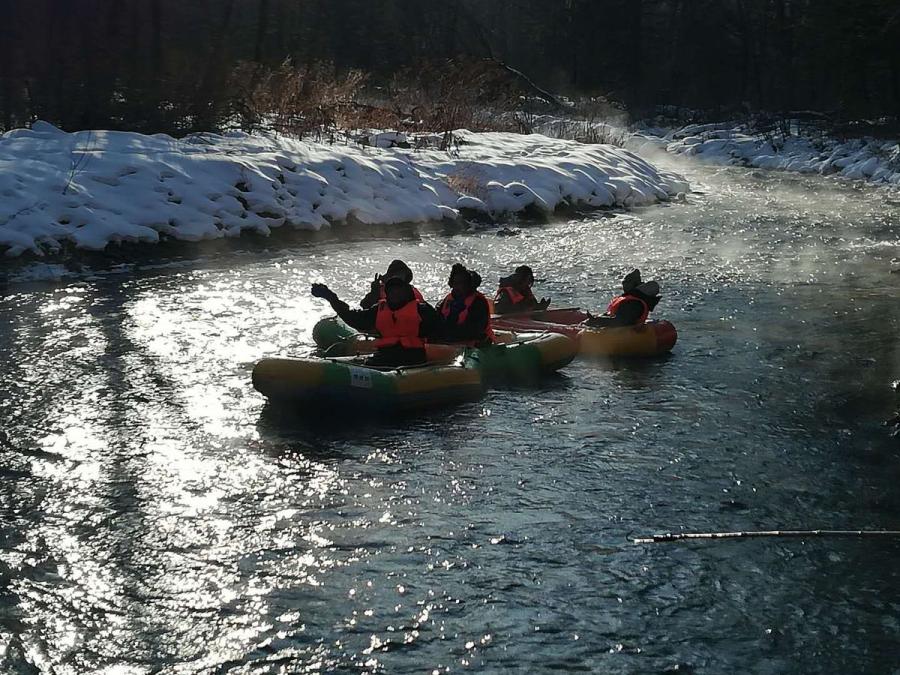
[(515, 356), (650, 339), (348, 385), (522, 355)]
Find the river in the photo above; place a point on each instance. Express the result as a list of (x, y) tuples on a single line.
[(157, 517)]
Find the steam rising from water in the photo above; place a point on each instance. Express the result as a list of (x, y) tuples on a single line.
[(157, 518)]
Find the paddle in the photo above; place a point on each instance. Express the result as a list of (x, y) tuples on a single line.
[(681, 536)]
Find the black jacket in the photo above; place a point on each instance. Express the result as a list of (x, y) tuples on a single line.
[(474, 328)]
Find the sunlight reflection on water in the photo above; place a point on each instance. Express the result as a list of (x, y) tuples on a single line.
[(160, 518)]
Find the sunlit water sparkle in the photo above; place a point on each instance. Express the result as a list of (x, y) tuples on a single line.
[(157, 517)]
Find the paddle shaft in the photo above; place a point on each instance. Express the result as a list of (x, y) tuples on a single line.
[(682, 536)]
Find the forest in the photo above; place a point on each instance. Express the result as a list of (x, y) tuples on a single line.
[(179, 67)]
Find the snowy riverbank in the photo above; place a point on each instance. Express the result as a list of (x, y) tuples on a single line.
[(93, 188), (867, 159)]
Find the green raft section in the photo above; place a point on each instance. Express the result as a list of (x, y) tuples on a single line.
[(517, 356), (335, 337), (346, 386), (340, 382)]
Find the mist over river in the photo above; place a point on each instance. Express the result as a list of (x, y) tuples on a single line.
[(157, 517)]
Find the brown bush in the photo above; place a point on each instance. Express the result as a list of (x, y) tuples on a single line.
[(428, 102), (467, 183), (443, 96), (295, 100)]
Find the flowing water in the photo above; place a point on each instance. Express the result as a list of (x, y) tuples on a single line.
[(157, 517)]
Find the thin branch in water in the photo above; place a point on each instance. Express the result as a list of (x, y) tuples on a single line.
[(682, 536)]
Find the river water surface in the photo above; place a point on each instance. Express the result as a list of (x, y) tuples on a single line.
[(157, 517)]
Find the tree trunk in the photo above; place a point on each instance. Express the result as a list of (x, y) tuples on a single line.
[(262, 27), (7, 65), (156, 48), (206, 105), (636, 60)]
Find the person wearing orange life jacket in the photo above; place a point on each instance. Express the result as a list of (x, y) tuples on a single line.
[(376, 294), (402, 323), (465, 314), (632, 308), (515, 295)]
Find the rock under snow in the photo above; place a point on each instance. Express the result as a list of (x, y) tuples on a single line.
[(95, 187)]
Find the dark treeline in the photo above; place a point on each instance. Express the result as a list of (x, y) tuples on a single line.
[(167, 65)]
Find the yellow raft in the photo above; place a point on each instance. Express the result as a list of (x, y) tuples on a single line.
[(649, 339), (349, 386)]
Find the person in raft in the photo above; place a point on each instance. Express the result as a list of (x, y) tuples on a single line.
[(465, 314), (632, 308), (401, 322), (397, 268), (515, 295)]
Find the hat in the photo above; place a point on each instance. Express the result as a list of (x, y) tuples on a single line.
[(401, 269), (631, 281), (525, 271), (390, 282), (648, 288), (460, 269), (456, 270)]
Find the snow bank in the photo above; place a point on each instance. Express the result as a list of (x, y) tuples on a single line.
[(93, 188), (866, 159)]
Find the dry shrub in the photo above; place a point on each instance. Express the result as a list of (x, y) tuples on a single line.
[(442, 96), (437, 97), (364, 115), (600, 109), (467, 183), (295, 100), (428, 102), (586, 131)]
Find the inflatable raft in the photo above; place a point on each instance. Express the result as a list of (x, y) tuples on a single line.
[(517, 355), (650, 339), (348, 385), (520, 356)]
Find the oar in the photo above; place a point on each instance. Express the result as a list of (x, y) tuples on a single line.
[(681, 536), (533, 312)]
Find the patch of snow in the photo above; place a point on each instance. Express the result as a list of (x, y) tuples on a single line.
[(863, 159), (96, 187)]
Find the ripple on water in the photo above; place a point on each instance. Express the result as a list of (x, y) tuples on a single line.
[(157, 517)]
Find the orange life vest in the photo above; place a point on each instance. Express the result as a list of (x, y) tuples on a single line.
[(382, 295), (514, 296), (461, 319), (399, 327), (611, 310)]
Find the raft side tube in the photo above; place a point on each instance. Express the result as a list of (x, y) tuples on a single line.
[(650, 339), (523, 356), (351, 386)]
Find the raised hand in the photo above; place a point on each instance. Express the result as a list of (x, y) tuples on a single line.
[(376, 283), (322, 291), (544, 303)]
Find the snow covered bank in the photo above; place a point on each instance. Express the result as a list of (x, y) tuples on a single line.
[(866, 159), (93, 188)]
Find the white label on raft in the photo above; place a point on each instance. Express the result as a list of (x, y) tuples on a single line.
[(360, 377)]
